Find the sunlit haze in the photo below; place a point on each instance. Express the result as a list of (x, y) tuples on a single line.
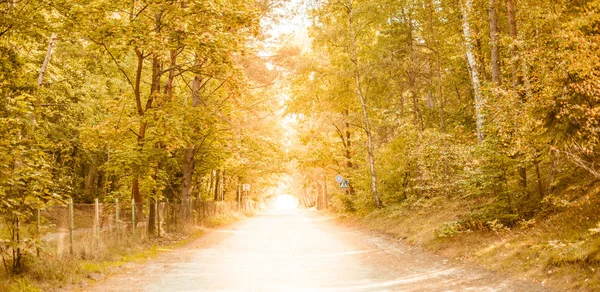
[(285, 202)]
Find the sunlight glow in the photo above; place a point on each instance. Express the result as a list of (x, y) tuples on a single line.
[(286, 202)]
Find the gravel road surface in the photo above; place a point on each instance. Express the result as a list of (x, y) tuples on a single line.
[(300, 250)]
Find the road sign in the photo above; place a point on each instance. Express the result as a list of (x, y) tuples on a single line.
[(339, 178), (246, 187), (344, 184)]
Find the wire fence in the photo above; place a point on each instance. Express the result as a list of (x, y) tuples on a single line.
[(83, 230)]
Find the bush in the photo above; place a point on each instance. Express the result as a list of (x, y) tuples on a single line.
[(448, 229)]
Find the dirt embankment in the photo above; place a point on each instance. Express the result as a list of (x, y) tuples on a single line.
[(559, 250)]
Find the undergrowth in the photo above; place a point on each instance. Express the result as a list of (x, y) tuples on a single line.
[(49, 271), (559, 247)]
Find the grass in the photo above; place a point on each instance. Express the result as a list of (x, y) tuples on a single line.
[(50, 272), (559, 249), (223, 219)]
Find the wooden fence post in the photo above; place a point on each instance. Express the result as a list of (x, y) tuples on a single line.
[(133, 220), (38, 233), (145, 230), (192, 219), (167, 216), (96, 224), (117, 219), (71, 226), (158, 217)]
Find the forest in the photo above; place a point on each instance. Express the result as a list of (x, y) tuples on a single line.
[(131, 100), (494, 104), (496, 100), (469, 127)]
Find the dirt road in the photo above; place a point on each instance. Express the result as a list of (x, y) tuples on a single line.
[(298, 250)]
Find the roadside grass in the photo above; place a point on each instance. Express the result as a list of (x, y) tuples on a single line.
[(224, 219), (559, 249), (50, 272)]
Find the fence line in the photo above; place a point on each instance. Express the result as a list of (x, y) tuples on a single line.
[(87, 229)]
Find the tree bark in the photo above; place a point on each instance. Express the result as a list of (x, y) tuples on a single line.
[(135, 185), (439, 85), (217, 182), (188, 172), (90, 185), (171, 78), (467, 11), (412, 75), (495, 54), (514, 52), (223, 185), (189, 162), (512, 29), (46, 59)]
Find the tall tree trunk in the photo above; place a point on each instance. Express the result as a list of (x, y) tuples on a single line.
[(90, 184), (349, 153), (223, 185), (217, 182), (189, 162), (359, 92), (325, 193), (467, 11), (154, 91), (495, 54), (51, 45), (171, 78), (439, 86), (135, 185), (188, 172), (512, 29), (412, 80), (152, 202), (411, 73), (516, 81), (211, 185)]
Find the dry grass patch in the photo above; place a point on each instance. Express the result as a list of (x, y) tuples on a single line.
[(560, 249)]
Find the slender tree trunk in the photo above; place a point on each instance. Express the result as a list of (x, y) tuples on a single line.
[(223, 186), (411, 73), (359, 92), (418, 118), (349, 152), (189, 162), (440, 87), (90, 185), (211, 185), (467, 11), (188, 166), (47, 59), (495, 58), (217, 182), (154, 91), (152, 202), (171, 78), (512, 29), (325, 194), (514, 52), (412, 80), (135, 185)]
